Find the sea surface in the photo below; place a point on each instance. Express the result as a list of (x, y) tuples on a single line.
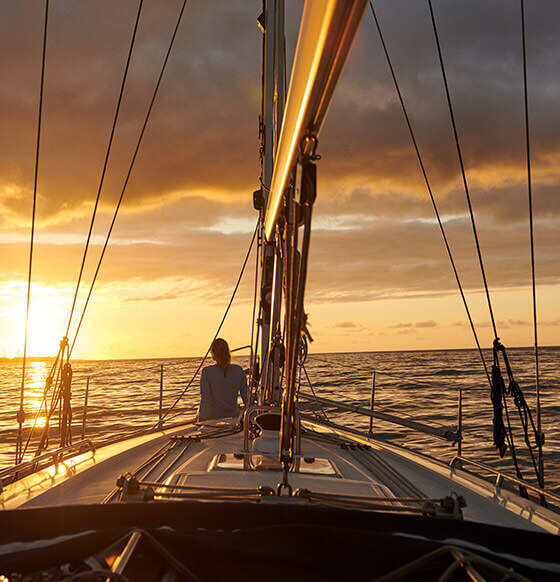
[(123, 397)]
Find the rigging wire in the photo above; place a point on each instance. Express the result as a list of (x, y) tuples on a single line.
[(255, 291), (48, 413), (463, 173), (315, 396), (137, 148), (168, 411), (105, 163), (533, 277), (55, 396), (480, 260), (21, 414), (428, 186)]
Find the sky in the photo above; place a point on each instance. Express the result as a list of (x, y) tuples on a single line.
[(379, 276)]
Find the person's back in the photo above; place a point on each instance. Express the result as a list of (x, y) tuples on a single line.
[(220, 384)]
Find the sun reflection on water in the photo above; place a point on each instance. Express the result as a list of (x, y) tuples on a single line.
[(35, 376)]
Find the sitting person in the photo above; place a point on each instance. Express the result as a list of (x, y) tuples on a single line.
[(220, 384)]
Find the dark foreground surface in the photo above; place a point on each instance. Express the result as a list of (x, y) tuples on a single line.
[(219, 540)]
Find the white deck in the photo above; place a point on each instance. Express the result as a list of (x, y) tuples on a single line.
[(90, 477)]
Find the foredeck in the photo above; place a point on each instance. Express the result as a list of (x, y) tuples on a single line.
[(333, 468)]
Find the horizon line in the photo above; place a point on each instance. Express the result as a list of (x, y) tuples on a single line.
[(5, 359)]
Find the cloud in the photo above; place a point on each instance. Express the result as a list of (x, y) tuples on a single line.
[(202, 132), (162, 297), (188, 212), (427, 323), (345, 325), (417, 324)]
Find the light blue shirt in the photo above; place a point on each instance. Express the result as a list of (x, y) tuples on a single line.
[(218, 392)]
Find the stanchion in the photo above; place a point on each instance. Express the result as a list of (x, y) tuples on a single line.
[(84, 415), (372, 401), (460, 422), (160, 415)]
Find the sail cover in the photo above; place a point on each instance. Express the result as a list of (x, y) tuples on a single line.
[(327, 31)]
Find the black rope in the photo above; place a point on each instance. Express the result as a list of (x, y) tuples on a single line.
[(105, 162), (168, 411), (424, 174), (533, 277), (499, 390), (137, 148), (463, 174), (21, 414)]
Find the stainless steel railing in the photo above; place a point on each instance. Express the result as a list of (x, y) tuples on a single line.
[(441, 432), (458, 461), (47, 459)]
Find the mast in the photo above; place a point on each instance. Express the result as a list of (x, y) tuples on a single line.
[(327, 32), (271, 23)]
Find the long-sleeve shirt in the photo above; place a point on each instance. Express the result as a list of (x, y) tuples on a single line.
[(218, 393)]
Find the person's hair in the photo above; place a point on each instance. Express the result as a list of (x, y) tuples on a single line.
[(220, 353)]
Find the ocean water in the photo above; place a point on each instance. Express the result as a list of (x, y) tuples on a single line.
[(422, 385)]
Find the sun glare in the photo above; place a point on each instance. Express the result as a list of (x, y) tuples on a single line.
[(44, 330), (47, 314)]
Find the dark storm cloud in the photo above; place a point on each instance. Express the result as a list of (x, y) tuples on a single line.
[(384, 258), (482, 51), (199, 162), (203, 133)]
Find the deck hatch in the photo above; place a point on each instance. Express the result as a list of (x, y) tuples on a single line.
[(307, 465)]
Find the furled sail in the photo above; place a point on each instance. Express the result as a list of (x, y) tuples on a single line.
[(326, 35)]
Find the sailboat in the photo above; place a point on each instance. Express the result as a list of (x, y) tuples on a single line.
[(275, 493)]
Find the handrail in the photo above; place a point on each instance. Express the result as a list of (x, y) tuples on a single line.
[(500, 477), (247, 347), (243, 348), (251, 411), (443, 433), (251, 367), (56, 456)]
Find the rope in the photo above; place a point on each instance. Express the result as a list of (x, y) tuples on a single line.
[(463, 174), (105, 162), (168, 411), (21, 414), (533, 277), (424, 174), (129, 171), (525, 416)]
